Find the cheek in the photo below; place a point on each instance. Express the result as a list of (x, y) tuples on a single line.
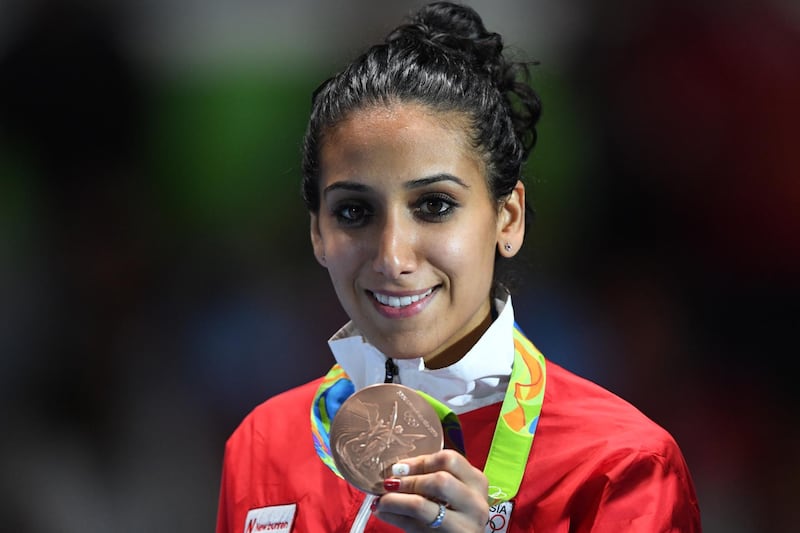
[(342, 256), (468, 254)]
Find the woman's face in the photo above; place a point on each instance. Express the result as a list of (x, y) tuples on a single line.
[(407, 228)]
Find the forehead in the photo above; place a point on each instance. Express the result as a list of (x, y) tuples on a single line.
[(406, 134)]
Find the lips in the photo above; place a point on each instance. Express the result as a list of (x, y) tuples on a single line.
[(399, 302)]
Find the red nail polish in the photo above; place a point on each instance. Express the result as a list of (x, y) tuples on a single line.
[(391, 484), (374, 504)]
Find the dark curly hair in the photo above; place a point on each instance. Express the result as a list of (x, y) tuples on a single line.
[(445, 59)]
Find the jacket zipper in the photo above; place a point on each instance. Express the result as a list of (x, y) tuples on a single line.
[(364, 512), (391, 371)]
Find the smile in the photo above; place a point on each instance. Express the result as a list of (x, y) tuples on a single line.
[(398, 302)]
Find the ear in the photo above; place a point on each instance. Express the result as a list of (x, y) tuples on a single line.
[(316, 240), (511, 222)]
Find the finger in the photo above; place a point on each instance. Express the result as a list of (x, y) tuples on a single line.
[(414, 513), (444, 476), (439, 485), (445, 460)]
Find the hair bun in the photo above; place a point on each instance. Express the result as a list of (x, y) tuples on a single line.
[(456, 29)]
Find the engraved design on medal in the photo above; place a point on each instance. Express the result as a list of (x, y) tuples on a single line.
[(379, 426)]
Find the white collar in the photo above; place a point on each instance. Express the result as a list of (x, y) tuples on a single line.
[(479, 378)]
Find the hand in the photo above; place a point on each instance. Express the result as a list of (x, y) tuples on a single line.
[(412, 500)]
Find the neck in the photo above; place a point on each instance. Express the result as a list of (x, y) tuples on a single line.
[(459, 348)]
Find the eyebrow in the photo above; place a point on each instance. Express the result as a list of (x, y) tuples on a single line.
[(428, 180), (345, 186), (410, 185)]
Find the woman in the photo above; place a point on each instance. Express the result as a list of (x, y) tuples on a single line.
[(412, 162)]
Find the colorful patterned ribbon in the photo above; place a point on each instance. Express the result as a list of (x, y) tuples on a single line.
[(513, 434)]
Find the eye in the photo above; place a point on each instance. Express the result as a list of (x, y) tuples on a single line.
[(351, 214), (436, 207)]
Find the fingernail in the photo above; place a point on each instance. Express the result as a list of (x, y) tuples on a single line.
[(391, 484), (374, 504), (400, 469)]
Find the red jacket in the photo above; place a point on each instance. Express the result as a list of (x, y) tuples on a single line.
[(597, 464)]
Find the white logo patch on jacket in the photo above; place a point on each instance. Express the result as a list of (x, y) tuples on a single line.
[(274, 519), (499, 517)]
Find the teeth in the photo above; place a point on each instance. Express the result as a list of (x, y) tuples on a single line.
[(400, 301)]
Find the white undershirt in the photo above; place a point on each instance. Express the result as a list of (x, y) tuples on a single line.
[(478, 379)]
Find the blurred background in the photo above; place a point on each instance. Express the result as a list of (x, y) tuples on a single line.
[(156, 279)]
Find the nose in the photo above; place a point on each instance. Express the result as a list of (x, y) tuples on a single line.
[(395, 252)]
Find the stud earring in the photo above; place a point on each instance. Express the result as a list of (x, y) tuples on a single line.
[(507, 247)]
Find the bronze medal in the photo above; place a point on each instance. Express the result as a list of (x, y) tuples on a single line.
[(378, 426)]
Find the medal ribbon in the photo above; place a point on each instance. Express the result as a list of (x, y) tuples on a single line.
[(513, 434)]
